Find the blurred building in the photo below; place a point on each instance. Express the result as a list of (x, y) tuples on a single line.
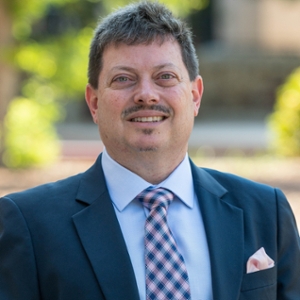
[(272, 25), (246, 48)]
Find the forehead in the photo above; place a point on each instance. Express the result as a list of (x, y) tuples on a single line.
[(145, 54)]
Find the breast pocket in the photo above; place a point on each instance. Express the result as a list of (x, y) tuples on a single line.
[(259, 285)]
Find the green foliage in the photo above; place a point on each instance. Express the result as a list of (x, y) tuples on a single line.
[(31, 138), (53, 75), (61, 62), (285, 120), (179, 7), (54, 68), (24, 13)]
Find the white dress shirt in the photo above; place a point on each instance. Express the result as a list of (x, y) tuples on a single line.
[(184, 219)]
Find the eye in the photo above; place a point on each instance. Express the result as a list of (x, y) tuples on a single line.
[(167, 76), (121, 79), (167, 79)]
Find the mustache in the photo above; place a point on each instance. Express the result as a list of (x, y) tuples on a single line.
[(134, 109)]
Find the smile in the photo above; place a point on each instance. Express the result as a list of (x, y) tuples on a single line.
[(147, 119)]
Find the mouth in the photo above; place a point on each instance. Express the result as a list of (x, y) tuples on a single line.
[(146, 114), (148, 119)]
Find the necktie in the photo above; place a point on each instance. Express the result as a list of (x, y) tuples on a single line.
[(166, 274)]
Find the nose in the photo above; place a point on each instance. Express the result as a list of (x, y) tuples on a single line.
[(146, 92)]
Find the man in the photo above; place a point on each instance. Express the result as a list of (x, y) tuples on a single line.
[(83, 237)]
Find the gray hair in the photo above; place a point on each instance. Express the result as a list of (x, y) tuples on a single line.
[(141, 23)]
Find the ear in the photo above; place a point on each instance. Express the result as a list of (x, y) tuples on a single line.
[(91, 99), (197, 92)]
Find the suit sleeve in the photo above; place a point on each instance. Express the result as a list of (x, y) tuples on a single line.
[(18, 274), (288, 265)]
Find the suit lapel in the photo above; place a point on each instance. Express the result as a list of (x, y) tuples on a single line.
[(100, 234), (225, 235)]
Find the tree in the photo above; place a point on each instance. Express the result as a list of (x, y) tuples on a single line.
[(285, 120), (8, 76)]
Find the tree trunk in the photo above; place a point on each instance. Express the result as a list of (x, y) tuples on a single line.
[(8, 75)]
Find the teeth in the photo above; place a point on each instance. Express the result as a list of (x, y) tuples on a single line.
[(148, 119)]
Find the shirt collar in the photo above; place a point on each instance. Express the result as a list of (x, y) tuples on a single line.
[(124, 185)]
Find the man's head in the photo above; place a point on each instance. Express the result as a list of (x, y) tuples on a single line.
[(144, 89), (141, 23)]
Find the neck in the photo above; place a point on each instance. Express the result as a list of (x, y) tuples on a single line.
[(151, 166)]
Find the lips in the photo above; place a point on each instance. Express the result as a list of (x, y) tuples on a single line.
[(148, 119), (146, 114)]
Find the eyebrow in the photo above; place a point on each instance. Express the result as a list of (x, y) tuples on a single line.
[(122, 68), (130, 69)]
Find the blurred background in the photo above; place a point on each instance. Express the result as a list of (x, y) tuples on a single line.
[(249, 121)]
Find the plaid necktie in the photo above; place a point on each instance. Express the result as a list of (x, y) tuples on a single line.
[(166, 274)]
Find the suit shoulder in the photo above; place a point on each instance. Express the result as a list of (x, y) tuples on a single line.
[(49, 190), (236, 183), (253, 197)]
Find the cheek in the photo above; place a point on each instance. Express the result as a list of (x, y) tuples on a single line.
[(113, 100), (110, 113), (108, 105), (186, 104)]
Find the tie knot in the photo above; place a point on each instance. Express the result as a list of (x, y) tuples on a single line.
[(152, 198)]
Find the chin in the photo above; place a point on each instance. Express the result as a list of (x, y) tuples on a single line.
[(148, 149)]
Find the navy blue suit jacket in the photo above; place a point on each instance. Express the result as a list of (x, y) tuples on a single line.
[(62, 240)]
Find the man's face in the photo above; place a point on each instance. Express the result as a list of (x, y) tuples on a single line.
[(145, 101)]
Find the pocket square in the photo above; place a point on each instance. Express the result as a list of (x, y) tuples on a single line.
[(259, 261)]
